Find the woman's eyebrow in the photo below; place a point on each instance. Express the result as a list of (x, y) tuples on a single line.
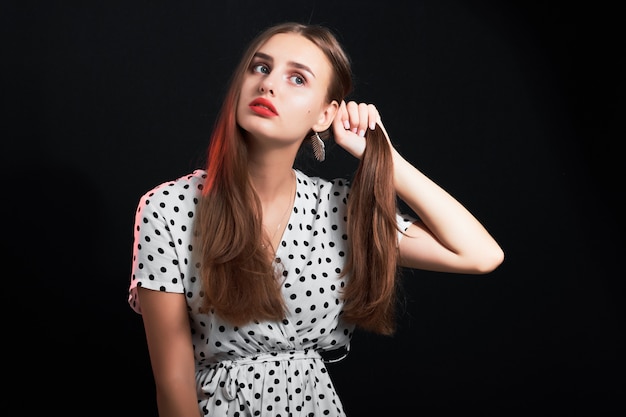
[(292, 63), (263, 56)]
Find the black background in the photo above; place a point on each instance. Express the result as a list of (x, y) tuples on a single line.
[(515, 108)]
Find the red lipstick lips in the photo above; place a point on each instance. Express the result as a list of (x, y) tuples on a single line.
[(263, 107)]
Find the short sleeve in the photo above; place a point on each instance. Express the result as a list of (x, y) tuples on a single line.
[(155, 262), (404, 221)]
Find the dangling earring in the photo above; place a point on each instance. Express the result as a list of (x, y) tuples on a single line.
[(318, 147)]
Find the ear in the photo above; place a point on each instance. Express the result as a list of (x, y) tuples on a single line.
[(326, 117)]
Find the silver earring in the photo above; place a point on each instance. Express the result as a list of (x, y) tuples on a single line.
[(319, 149)]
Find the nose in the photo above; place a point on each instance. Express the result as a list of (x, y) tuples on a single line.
[(266, 86), (263, 89)]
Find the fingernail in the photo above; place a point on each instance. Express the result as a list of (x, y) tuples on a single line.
[(346, 124), (361, 132)]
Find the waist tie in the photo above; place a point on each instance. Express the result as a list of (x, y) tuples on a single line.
[(225, 373)]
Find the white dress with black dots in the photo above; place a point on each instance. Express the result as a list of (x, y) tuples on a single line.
[(266, 368)]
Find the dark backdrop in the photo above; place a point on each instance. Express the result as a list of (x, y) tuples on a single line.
[(516, 109)]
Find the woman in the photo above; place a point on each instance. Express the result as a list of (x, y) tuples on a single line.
[(250, 274)]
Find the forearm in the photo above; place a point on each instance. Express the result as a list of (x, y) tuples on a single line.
[(446, 218), (177, 400)]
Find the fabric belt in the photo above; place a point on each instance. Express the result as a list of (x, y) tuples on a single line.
[(232, 367)]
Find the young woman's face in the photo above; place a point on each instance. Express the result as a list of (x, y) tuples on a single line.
[(284, 91)]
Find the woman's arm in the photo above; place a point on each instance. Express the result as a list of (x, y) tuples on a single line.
[(447, 237), (168, 335)]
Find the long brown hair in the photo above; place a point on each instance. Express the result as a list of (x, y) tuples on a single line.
[(238, 277)]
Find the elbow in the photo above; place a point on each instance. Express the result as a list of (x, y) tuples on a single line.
[(489, 262)]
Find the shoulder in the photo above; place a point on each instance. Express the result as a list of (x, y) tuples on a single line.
[(324, 187), (187, 185), (176, 193)]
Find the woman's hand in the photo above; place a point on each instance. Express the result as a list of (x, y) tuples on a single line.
[(350, 124)]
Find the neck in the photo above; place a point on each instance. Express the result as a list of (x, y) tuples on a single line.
[(277, 195), (271, 180), (271, 167)]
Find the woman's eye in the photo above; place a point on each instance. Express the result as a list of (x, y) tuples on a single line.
[(297, 79), (261, 68)]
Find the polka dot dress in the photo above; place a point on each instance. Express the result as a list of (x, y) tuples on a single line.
[(262, 368)]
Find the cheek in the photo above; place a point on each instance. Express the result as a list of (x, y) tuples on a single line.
[(307, 107), (300, 107), (309, 115), (238, 110)]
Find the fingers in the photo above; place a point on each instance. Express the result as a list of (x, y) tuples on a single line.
[(358, 117)]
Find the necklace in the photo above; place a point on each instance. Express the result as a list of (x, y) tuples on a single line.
[(282, 218)]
